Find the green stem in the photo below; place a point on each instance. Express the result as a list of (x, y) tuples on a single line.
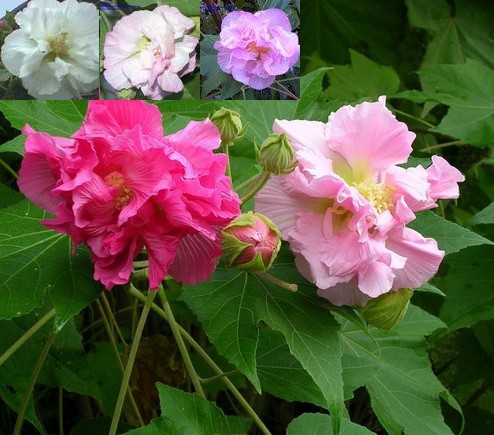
[(443, 145), (419, 120), (32, 382), (180, 342), (140, 275), (112, 318), (215, 378), (9, 169), (27, 335), (207, 359), (277, 281), (113, 343), (228, 168), (130, 363), (256, 187), (140, 264)]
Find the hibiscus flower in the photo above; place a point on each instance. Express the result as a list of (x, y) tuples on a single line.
[(345, 208), (55, 50), (120, 186)]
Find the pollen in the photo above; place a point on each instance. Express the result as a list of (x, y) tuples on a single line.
[(379, 195), (253, 48), (60, 46), (123, 194)]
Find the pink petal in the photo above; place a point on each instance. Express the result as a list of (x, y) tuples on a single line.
[(275, 17), (181, 24), (162, 250), (108, 119), (369, 138), (345, 293), (444, 179), (376, 279), (422, 254), (196, 259)]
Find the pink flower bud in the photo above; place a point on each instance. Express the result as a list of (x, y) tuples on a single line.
[(251, 242)]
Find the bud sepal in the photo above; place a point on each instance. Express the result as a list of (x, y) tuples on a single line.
[(276, 154)]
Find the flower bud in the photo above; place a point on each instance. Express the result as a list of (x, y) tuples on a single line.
[(276, 154), (126, 94), (229, 124), (386, 311), (251, 242)]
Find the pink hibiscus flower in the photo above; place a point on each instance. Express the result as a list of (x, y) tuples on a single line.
[(150, 50), (255, 48), (345, 208), (120, 187)]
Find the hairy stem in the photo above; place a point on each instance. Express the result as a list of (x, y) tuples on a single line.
[(278, 282), (32, 382), (130, 362), (257, 185), (27, 335)]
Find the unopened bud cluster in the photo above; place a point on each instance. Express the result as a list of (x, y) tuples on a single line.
[(276, 154), (229, 124)]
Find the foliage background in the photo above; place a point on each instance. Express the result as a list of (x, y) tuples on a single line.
[(433, 373)]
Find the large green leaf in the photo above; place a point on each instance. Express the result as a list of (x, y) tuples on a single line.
[(330, 27), (312, 105), (468, 90), (230, 307), (15, 145), (468, 284), (320, 424), (395, 368), (8, 196), (188, 413), (362, 79), (459, 29), (450, 236), (60, 118), (36, 260), (281, 374), (485, 216)]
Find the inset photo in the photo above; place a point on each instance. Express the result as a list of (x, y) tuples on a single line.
[(49, 50), (148, 50), (250, 49)]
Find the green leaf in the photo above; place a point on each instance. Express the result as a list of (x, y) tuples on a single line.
[(395, 368), (8, 196), (468, 90), (214, 77), (329, 28), (188, 413), (36, 259), (450, 236), (61, 118), (281, 374), (15, 145), (312, 105), (458, 31), (362, 79), (231, 305), (468, 284), (320, 424), (485, 216)]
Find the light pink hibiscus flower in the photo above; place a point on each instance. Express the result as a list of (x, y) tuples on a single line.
[(255, 48), (151, 51), (345, 208), (120, 187)]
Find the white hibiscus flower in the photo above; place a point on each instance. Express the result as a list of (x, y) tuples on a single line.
[(55, 51)]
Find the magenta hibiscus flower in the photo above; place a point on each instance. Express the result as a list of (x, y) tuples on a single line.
[(345, 208), (120, 187), (255, 48)]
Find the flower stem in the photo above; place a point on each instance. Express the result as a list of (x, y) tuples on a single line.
[(32, 382), (27, 335), (113, 343), (180, 342), (9, 169), (277, 281), (442, 145), (420, 120), (228, 167), (130, 363), (202, 353), (257, 184)]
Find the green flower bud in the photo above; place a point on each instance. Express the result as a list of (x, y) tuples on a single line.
[(126, 94), (386, 311), (276, 154), (229, 124), (250, 242)]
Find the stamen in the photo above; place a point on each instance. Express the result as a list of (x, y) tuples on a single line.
[(123, 195), (379, 195)]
